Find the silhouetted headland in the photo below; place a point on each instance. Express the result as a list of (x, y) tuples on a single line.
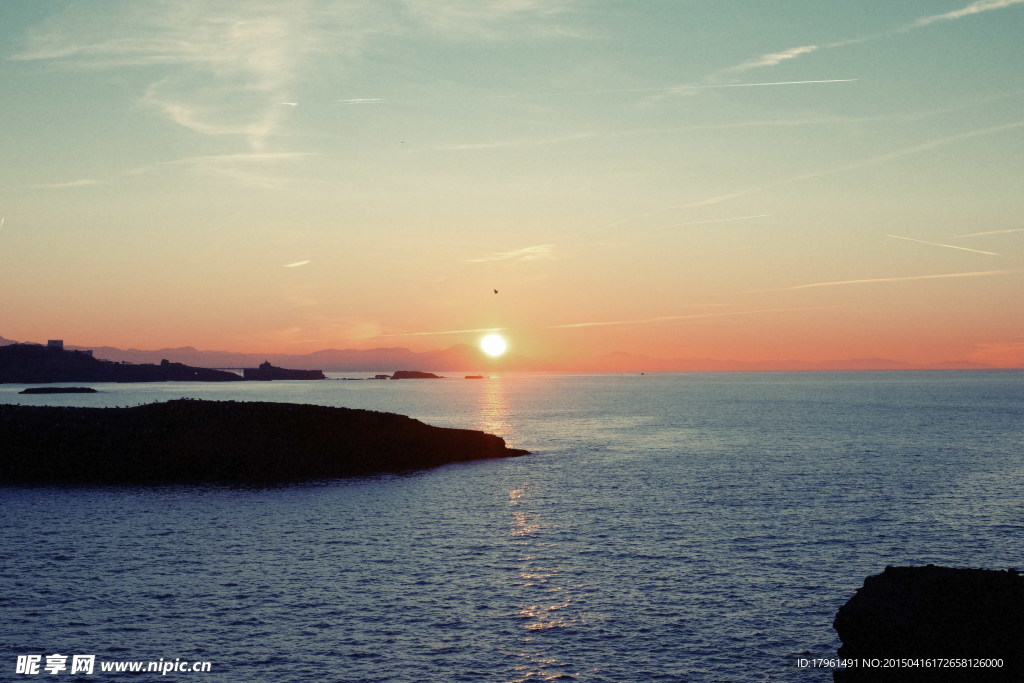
[(938, 613), (224, 441), (33, 363)]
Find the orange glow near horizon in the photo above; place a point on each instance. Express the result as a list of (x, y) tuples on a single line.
[(769, 214)]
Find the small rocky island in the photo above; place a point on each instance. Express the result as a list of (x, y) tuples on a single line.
[(414, 374), (58, 390), (266, 371), (931, 612), (191, 441)]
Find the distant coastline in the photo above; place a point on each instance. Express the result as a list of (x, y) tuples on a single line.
[(468, 359), (37, 364)]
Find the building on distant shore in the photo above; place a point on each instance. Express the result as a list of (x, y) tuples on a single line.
[(58, 345)]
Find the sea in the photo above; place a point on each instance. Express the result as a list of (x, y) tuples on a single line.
[(665, 527)]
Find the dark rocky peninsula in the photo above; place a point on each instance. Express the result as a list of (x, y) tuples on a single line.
[(223, 441), (934, 612), (32, 363)]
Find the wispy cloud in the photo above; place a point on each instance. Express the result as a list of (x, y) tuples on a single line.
[(218, 71), (679, 318), (715, 220), (259, 169), (483, 146), (245, 158), (297, 264), (230, 68), (947, 246), (491, 20), (971, 9), (773, 58), (429, 334), (84, 182), (877, 280), (540, 251), (776, 58)]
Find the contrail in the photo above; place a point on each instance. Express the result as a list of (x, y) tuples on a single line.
[(426, 334), (674, 88), (991, 232), (948, 246), (297, 264), (673, 318), (851, 166), (984, 273), (755, 85), (625, 91)]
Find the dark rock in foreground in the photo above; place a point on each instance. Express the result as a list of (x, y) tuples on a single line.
[(58, 390), (223, 441), (414, 374), (934, 612)]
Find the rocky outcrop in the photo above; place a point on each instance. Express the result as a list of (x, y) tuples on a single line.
[(266, 371), (223, 441), (58, 390), (414, 374), (32, 363), (920, 613)]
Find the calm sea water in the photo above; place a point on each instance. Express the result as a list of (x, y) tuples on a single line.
[(676, 527)]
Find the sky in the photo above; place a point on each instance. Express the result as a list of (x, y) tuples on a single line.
[(732, 179)]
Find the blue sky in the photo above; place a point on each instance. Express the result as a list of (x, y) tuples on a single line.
[(676, 178)]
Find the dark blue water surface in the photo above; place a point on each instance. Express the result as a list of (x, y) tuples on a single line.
[(677, 527)]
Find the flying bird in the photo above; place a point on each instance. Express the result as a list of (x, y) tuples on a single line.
[(495, 291)]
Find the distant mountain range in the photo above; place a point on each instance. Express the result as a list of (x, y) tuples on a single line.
[(463, 357)]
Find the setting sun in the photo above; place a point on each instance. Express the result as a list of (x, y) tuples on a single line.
[(493, 345)]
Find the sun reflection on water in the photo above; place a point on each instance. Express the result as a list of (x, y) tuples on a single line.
[(494, 414), (545, 600)]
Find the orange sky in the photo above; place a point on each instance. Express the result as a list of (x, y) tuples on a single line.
[(685, 182)]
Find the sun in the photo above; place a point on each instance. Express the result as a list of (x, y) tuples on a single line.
[(493, 345)]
